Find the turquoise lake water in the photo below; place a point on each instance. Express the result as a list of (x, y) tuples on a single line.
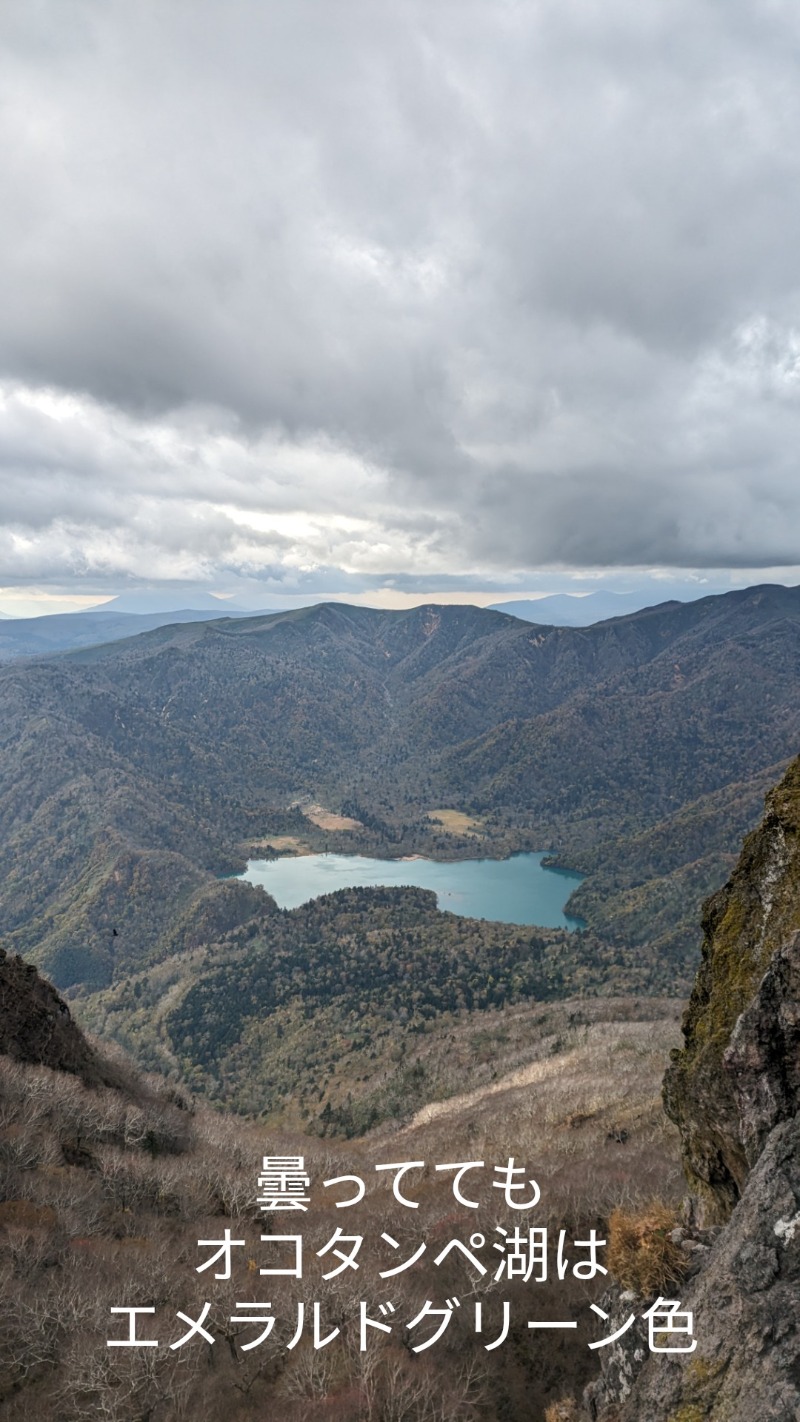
[(517, 890)]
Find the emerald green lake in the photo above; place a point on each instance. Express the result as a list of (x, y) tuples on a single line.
[(518, 890)]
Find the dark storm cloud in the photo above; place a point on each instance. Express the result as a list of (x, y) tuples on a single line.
[(404, 287)]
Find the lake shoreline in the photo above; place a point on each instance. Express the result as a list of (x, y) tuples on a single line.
[(519, 889)]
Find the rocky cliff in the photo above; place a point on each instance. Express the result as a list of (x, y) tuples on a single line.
[(734, 1091), (36, 1026), (737, 1075)]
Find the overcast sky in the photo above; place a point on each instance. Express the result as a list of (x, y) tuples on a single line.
[(322, 296)]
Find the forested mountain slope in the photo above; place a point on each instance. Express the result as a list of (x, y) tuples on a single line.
[(132, 774)]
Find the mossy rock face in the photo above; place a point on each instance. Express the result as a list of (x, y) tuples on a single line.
[(745, 925)]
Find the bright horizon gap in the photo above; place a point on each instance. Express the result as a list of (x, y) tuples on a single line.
[(651, 585)]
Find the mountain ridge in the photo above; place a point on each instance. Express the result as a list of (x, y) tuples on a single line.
[(191, 740)]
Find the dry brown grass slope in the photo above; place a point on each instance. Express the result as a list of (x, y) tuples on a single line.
[(106, 1194)]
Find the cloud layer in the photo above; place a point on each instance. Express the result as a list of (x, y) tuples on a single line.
[(333, 291)]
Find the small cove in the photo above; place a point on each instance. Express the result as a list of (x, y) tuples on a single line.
[(519, 890)]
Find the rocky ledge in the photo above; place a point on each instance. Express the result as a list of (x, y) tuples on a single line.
[(36, 1026)]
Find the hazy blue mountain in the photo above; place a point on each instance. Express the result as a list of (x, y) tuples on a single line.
[(146, 603), (67, 631), (571, 610)]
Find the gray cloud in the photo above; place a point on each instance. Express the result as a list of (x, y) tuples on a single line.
[(463, 289)]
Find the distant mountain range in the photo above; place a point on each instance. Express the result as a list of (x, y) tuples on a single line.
[(571, 609), (62, 631), (124, 617)]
